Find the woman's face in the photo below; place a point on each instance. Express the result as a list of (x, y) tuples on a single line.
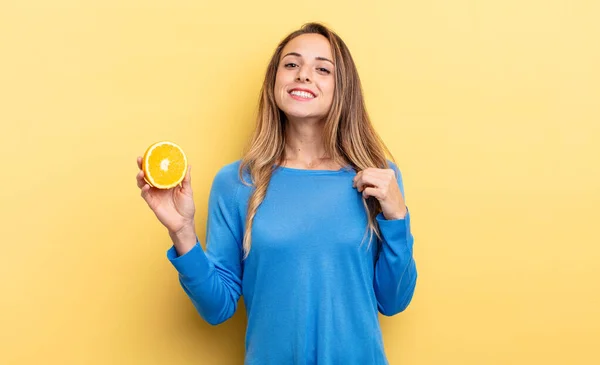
[(304, 84)]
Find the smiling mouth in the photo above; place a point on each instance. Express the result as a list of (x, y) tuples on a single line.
[(301, 95)]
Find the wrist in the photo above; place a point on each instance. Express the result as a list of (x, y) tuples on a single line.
[(184, 238), (186, 228), (396, 215)]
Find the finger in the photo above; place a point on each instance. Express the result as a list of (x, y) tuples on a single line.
[(140, 179), (144, 192), (187, 179), (356, 178), (374, 192), (368, 172), (381, 173), (369, 181), (139, 162)]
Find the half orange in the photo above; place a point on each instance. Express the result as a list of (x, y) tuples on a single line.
[(164, 165)]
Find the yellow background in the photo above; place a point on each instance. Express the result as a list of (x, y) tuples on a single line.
[(490, 107)]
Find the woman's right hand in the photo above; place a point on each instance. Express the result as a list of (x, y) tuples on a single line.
[(173, 207)]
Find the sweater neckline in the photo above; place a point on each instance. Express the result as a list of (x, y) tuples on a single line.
[(294, 170)]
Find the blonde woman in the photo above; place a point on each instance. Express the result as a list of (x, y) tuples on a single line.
[(310, 226)]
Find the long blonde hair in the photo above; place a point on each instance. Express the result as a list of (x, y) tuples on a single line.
[(348, 135)]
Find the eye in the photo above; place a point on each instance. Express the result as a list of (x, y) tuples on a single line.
[(322, 69), (291, 64)]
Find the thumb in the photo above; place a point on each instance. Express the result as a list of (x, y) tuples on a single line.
[(187, 179)]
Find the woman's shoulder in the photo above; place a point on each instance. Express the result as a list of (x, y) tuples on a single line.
[(229, 174), (394, 166), (230, 168)]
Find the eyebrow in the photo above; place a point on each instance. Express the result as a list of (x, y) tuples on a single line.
[(316, 58)]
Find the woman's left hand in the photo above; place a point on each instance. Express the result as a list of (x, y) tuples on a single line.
[(382, 184)]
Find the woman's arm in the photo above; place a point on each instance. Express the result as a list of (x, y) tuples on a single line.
[(395, 269), (212, 279)]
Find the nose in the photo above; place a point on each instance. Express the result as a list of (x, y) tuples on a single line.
[(303, 74)]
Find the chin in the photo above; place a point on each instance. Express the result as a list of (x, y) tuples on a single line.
[(300, 112), (300, 115)]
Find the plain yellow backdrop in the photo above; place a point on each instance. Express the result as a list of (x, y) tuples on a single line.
[(491, 109)]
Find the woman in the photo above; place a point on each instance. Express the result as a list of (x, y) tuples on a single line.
[(310, 226)]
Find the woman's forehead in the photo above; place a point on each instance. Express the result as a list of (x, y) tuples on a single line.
[(308, 46)]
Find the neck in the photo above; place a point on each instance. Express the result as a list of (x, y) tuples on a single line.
[(304, 142)]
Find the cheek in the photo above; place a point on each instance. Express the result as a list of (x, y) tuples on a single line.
[(284, 77), (329, 89), (279, 89), (277, 83)]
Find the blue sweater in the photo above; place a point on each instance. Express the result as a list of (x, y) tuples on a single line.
[(312, 287)]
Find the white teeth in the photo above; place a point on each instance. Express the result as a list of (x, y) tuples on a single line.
[(302, 94)]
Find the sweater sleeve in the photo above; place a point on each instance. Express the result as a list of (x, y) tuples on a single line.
[(395, 269), (212, 278)]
